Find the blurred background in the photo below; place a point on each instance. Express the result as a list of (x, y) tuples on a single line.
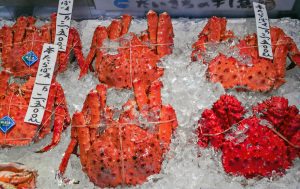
[(93, 9)]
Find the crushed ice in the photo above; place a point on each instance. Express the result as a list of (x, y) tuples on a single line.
[(187, 90)]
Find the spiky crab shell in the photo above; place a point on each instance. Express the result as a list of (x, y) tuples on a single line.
[(14, 103), (137, 55), (135, 60), (124, 149), (256, 74), (258, 153), (252, 146), (24, 36), (123, 155)]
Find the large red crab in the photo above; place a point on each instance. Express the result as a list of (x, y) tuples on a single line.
[(17, 176), (137, 56), (115, 151), (259, 145), (261, 74), (14, 100), (24, 36)]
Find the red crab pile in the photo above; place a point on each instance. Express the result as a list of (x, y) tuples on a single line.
[(24, 36), (15, 42), (14, 100), (262, 74), (259, 145), (137, 56), (124, 150), (17, 176)]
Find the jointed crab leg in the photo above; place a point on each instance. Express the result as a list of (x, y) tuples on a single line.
[(61, 119), (82, 132), (99, 36), (164, 35)]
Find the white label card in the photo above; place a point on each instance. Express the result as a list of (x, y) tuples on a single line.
[(63, 21), (40, 92), (263, 31)]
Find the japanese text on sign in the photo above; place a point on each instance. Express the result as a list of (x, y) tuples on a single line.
[(63, 21), (263, 31), (40, 92), (191, 5)]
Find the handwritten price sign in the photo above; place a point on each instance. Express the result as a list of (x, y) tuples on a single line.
[(63, 21), (40, 92), (263, 31)]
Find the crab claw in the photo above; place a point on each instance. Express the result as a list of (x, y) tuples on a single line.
[(17, 175)]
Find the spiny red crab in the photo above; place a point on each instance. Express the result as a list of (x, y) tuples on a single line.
[(261, 74), (24, 36), (266, 142), (124, 150), (14, 100), (137, 56), (17, 176)]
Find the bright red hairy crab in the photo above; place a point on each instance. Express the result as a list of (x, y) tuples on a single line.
[(136, 57), (17, 176), (124, 150), (14, 100), (247, 70), (24, 36), (259, 145)]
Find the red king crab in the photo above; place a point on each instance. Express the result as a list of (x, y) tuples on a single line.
[(17, 176), (24, 37), (137, 56), (259, 74), (115, 151), (14, 100), (266, 142)]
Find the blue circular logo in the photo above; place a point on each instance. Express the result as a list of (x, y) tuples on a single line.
[(121, 3)]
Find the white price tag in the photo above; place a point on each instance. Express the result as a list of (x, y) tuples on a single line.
[(263, 31), (40, 92), (63, 21)]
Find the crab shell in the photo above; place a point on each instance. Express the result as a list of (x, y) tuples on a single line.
[(262, 75), (17, 176), (137, 56), (24, 36), (253, 146), (118, 151), (14, 102)]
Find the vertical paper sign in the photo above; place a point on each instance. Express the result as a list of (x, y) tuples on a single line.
[(40, 92), (263, 31), (63, 21)]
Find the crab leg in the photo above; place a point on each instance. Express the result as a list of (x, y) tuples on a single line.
[(155, 95), (53, 26), (164, 35), (83, 132), (77, 48), (126, 20), (142, 100), (100, 35), (61, 119), (167, 126), (152, 28), (114, 29)]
